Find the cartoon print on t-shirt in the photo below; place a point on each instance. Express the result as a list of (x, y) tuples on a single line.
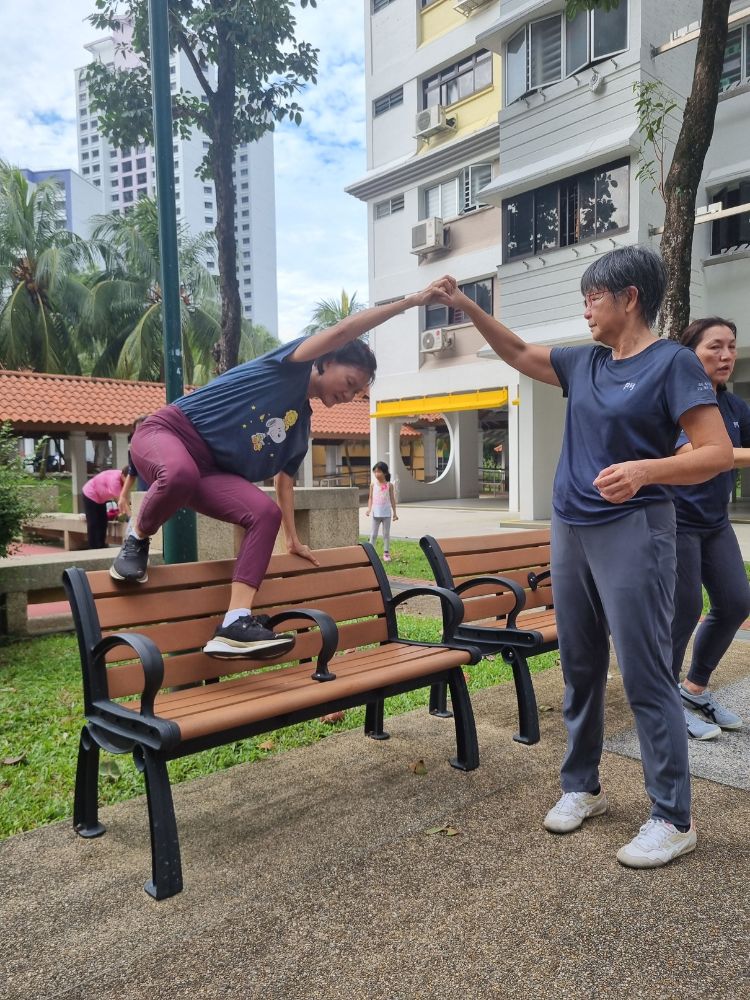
[(276, 429)]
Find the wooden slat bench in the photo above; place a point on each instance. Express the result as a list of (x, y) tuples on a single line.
[(149, 690), (505, 584)]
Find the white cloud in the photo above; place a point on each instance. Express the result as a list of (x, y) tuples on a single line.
[(321, 231)]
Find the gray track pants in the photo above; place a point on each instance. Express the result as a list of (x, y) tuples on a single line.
[(619, 578)]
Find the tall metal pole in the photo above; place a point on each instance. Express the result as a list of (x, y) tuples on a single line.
[(179, 535)]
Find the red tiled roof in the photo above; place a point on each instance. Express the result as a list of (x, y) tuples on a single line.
[(33, 401)]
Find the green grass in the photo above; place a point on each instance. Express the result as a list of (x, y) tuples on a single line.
[(42, 710), (407, 559)]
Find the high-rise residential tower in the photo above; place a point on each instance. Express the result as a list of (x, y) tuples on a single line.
[(126, 175)]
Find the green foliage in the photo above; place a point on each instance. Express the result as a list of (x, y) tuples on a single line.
[(16, 502), (329, 312), (654, 106), (573, 7), (42, 710), (40, 266)]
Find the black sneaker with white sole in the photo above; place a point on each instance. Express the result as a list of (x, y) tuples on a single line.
[(249, 637), (131, 565)]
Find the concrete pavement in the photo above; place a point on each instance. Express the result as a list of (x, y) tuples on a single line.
[(312, 875)]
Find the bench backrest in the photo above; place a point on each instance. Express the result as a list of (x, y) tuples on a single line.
[(513, 554), (180, 606)]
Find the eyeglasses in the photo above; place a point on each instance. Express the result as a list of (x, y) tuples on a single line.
[(593, 299)]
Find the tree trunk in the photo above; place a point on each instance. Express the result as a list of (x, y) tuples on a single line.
[(681, 188), (221, 162)]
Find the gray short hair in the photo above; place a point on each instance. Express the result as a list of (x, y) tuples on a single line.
[(636, 266)]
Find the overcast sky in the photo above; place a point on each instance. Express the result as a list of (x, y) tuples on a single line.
[(321, 233)]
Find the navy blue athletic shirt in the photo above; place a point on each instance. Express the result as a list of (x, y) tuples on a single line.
[(620, 411), (704, 507), (255, 418)]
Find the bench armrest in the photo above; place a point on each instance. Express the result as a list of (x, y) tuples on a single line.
[(329, 634), (536, 578), (452, 606), (151, 660), (483, 581)]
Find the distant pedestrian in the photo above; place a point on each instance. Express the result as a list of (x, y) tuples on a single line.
[(98, 492), (382, 505), (708, 553)]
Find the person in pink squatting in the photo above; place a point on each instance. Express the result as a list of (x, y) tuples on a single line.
[(382, 505), (206, 451)]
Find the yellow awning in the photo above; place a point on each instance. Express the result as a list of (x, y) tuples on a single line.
[(483, 399)]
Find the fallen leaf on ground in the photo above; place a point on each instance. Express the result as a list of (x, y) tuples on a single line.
[(13, 760), (437, 829), (418, 767), (333, 717), (267, 745), (449, 831), (110, 769), (546, 708)]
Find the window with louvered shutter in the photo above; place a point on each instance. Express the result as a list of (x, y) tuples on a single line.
[(546, 51)]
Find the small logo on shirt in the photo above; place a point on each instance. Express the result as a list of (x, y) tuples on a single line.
[(705, 385), (736, 423), (628, 387)]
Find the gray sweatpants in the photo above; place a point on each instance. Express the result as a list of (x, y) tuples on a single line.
[(618, 578)]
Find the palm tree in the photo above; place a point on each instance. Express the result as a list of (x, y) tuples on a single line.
[(328, 312), (122, 324), (40, 278)]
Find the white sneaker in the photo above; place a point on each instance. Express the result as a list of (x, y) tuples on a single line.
[(569, 812), (657, 843)]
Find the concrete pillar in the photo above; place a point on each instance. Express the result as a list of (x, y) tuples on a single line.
[(332, 458), (512, 453), (305, 471), (77, 459), (119, 449), (541, 418), (429, 445), (466, 445)]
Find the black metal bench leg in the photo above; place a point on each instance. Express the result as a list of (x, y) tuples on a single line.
[(374, 711), (439, 701), (467, 758), (166, 869), (528, 716), (86, 797)]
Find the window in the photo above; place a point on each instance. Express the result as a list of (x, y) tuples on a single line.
[(126, 165), (457, 195), (85, 141), (478, 291), (544, 51), (732, 232), (208, 204), (113, 168), (127, 181), (206, 145), (245, 199), (389, 206), (207, 189), (84, 110), (95, 169), (140, 163), (459, 80), (244, 186), (94, 154), (141, 178), (736, 66), (245, 240), (96, 182), (84, 156), (115, 196), (243, 172), (379, 5), (128, 196), (112, 153), (86, 170), (243, 158), (388, 101), (570, 211), (208, 219), (114, 183)]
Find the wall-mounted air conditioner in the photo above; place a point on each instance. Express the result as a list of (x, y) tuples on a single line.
[(434, 341), (431, 121), (428, 236), (467, 7)]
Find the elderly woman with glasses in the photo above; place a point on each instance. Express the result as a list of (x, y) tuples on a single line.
[(613, 531)]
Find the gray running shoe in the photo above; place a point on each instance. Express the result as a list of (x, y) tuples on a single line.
[(707, 705), (697, 729), (131, 564), (572, 808)]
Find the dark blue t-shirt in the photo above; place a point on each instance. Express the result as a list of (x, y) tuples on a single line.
[(620, 411), (255, 418), (704, 506)]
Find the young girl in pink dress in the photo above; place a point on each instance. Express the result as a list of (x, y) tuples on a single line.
[(382, 505)]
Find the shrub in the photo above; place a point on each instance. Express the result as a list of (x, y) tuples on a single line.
[(16, 506)]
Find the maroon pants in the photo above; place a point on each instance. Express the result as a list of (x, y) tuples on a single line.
[(173, 458)]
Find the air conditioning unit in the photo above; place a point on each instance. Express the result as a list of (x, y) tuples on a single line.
[(433, 341), (428, 236), (467, 7), (431, 121)]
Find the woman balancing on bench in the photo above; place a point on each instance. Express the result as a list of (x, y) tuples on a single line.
[(613, 531), (207, 449)]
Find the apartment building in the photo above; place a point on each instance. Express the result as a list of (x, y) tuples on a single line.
[(77, 200), (503, 148), (125, 176)]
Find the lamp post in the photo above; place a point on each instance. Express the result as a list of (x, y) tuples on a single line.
[(179, 533)]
